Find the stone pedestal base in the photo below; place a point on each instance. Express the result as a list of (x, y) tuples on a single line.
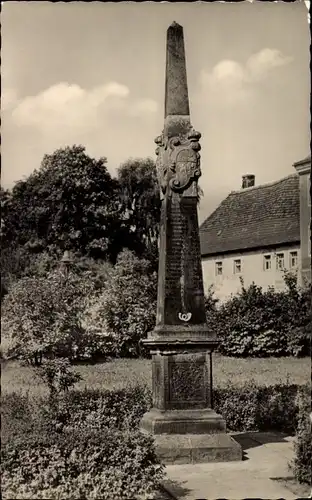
[(190, 436), (182, 422), (196, 448)]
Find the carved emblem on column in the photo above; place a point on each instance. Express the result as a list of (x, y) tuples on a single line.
[(178, 163)]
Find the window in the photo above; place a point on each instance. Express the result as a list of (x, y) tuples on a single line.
[(219, 268), (267, 262), (293, 260), (309, 240), (280, 263), (237, 266)]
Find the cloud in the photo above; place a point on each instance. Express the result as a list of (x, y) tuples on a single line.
[(232, 81), (108, 120), (68, 106), (143, 106), (259, 65), (8, 99)]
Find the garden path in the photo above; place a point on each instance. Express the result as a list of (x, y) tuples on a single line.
[(262, 473)]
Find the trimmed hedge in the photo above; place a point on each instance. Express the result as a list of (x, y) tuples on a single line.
[(121, 409), (301, 465), (104, 464), (246, 408), (256, 408), (86, 444), (83, 444)]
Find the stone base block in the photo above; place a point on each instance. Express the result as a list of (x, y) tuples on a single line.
[(202, 421), (197, 448), (190, 436)]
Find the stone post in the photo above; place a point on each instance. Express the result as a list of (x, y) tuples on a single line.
[(66, 262), (185, 427)]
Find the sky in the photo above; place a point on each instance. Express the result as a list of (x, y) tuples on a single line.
[(94, 74)]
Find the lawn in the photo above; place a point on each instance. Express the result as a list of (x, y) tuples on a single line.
[(122, 372)]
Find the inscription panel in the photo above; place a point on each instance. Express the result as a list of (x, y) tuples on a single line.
[(184, 283), (188, 383)]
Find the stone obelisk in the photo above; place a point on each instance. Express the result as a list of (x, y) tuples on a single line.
[(185, 427)]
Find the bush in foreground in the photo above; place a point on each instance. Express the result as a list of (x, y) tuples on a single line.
[(303, 444), (105, 464), (87, 443), (81, 444)]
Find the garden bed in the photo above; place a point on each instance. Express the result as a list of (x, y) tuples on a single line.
[(87, 443), (82, 444)]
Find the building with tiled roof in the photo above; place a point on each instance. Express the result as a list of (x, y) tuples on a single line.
[(257, 232)]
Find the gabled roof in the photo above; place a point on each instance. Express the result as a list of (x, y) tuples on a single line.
[(255, 217), (304, 161)]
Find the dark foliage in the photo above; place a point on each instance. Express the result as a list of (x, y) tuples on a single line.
[(126, 308), (77, 445), (254, 408), (140, 200), (263, 323), (301, 465)]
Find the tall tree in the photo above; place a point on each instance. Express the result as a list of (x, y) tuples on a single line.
[(139, 195), (71, 202)]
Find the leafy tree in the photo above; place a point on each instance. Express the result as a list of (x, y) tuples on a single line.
[(125, 310), (69, 203), (97, 270), (41, 316), (5, 196), (140, 200)]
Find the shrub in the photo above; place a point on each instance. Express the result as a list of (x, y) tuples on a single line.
[(58, 375), (258, 323), (301, 465), (104, 464), (42, 317), (17, 416), (120, 409), (125, 310), (95, 270), (211, 302), (88, 445), (237, 406), (299, 340), (98, 409), (247, 408), (277, 408), (254, 408)]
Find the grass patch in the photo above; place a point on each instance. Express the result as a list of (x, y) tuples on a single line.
[(120, 373)]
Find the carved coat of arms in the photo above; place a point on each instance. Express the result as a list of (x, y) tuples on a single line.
[(178, 163)]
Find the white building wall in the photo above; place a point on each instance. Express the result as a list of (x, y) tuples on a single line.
[(252, 269)]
